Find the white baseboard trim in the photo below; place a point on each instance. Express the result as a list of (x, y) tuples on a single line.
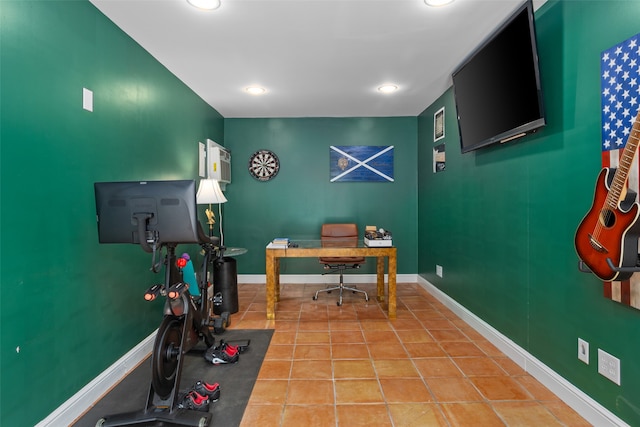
[(589, 409), (84, 399), (319, 278)]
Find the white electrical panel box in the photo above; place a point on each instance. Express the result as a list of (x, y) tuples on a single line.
[(218, 162)]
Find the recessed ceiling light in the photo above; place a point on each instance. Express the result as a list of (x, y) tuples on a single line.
[(387, 88), (205, 4), (255, 90), (437, 3)]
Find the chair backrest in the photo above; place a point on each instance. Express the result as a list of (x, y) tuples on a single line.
[(341, 235), (339, 231)]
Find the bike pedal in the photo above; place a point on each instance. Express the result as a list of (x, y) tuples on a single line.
[(226, 320), (217, 299), (218, 325)]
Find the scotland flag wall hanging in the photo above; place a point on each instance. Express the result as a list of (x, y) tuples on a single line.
[(363, 163)]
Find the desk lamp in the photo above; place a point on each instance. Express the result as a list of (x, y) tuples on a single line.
[(209, 192)]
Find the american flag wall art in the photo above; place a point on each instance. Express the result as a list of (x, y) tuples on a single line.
[(620, 102)]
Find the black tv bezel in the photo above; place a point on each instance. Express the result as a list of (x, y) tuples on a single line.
[(520, 131), (175, 200)]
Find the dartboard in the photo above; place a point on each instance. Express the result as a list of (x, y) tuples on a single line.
[(264, 165)]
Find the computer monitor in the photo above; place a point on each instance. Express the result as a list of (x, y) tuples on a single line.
[(147, 212)]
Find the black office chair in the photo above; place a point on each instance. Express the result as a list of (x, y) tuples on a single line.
[(340, 235)]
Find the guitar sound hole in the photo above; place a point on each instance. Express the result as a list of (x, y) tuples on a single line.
[(607, 217)]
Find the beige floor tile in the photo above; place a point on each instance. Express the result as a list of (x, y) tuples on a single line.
[(424, 349), (269, 392), (526, 414), (363, 415), (275, 369), (478, 366), (453, 389), (311, 369), (262, 415), (351, 351), (276, 352), (310, 392), (437, 367), (471, 414), (312, 351), (417, 415), (309, 416), (405, 390), (353, 368), (347, 337), (500, 388), (395, 368), (358, 391)]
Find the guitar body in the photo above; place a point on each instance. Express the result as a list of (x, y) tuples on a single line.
[(609, 233)]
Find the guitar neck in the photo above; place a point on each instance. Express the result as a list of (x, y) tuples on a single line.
[(622, 173)]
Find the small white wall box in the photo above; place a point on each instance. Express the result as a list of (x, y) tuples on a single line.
[(218, 162)]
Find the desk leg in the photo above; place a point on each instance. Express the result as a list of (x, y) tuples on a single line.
[(393, 261), (271, 285), (277, 281), (380, 276)]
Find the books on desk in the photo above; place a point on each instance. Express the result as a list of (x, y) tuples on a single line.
[(279, 243)]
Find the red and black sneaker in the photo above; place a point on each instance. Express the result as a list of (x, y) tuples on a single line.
[(231, 350), (194, 401), (212, 391), (218, 356)]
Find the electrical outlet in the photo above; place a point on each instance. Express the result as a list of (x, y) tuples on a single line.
[(438, 270), (583, 350), (609, 366)]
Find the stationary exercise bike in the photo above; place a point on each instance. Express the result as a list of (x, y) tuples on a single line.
[(187, 321)]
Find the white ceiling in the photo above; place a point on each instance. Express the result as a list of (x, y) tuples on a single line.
[(316, 58)]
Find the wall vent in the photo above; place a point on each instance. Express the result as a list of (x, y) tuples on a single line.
[(218, 162)]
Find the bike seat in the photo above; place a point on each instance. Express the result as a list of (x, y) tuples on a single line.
[(204, 239)]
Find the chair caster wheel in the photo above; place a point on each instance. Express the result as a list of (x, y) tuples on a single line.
[(100, 422), (338, 303), (314, 298)]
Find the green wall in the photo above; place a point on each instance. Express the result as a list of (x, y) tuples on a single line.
[(71, 306), (301, 197), (504, 225)]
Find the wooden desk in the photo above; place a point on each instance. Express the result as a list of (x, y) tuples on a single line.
[(313, 249)]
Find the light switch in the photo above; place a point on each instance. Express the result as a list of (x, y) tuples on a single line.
[(87, 99)]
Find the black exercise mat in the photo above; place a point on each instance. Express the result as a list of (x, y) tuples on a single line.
[(236, 382)]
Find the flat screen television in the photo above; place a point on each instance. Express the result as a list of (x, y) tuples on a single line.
[(497, 89), (159, 211)]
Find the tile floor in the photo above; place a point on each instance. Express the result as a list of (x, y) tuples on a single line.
[(350, 366)]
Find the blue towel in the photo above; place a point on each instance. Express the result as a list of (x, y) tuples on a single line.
[(189, 276)]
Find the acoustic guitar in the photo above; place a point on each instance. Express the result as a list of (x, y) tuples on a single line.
[(610, 230)]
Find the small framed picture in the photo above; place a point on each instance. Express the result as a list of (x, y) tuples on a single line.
[(438, 125), (439, 159)]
